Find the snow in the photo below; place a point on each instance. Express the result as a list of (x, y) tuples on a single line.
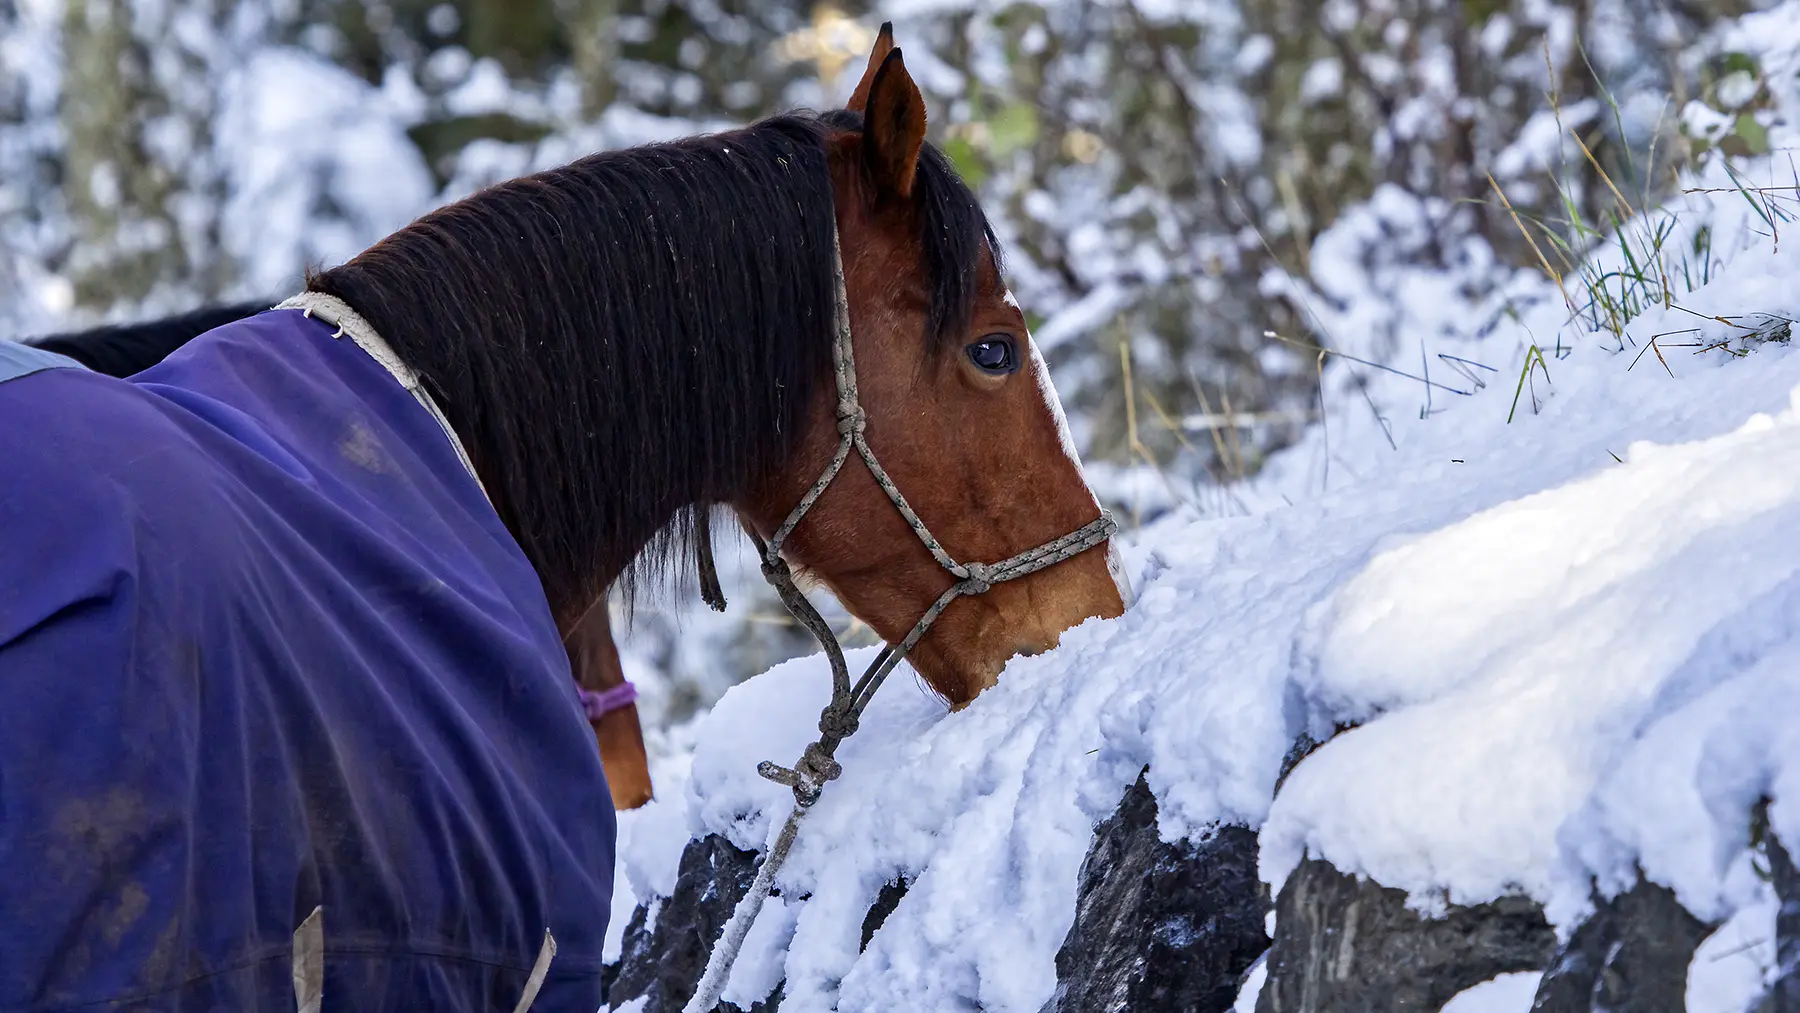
[(1735, 964), (299, 133), (1253, 986), (1545, 620), (1086, 314), (1500, 665), (1507, 993)]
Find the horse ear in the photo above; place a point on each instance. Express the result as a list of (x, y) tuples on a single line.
[(893, 127), (884, 44)]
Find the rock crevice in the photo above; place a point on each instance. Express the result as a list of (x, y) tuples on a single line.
[(1160, 926), (1349, 945)]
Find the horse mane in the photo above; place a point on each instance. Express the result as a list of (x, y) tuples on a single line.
[(632, 338), (125, 349)]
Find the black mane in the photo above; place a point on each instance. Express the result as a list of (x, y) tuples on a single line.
[(125, 349), (629, 339)]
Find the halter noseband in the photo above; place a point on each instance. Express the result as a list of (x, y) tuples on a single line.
[(840, 717)]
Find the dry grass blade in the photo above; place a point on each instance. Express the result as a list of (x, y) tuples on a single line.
[(1542, 260), (1624, 205)]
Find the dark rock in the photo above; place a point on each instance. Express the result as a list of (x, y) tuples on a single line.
[(769, 1005), (1630, 956), (665, 961), (1348, 945), (885, 902), (1303, 747), (1784, 996), (1160, 928)]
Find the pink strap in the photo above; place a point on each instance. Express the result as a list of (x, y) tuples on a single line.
[(598, 704)]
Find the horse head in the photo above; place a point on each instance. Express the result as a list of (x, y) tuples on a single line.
[(960, 414), (628, 341)]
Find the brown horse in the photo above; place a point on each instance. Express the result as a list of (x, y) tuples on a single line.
[(594, 658), (961, 413), (312, 574), (959, 406), (965, 422)]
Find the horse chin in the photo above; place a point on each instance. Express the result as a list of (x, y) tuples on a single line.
[(957, 682), (1017, 621)]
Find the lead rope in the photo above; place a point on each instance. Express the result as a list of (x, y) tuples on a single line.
[(818, 765)]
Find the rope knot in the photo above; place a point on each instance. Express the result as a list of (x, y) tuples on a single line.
[(774, 568), (819, 766), (980, 578), (851, 419), (838, 722), (808, 777)]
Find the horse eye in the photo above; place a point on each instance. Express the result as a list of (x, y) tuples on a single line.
[(994, 354)]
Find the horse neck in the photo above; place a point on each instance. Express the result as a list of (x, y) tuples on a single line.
[(618, 342)]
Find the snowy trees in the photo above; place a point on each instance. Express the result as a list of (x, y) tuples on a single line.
[(140, 172), (1166, 168)]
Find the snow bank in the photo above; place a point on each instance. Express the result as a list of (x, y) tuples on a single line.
[(1631, 632), (1557, 689), (1513, 654), (1557, 607), (1734, 967)]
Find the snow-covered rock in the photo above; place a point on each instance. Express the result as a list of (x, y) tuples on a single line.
[(1630, 956), (1545, 629)]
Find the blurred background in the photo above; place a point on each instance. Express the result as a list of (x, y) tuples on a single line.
[(1188, 189)]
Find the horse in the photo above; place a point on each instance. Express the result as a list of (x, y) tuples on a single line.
[(301, 589), (126, 349)]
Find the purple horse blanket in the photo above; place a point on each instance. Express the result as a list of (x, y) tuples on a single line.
[(265, 648)]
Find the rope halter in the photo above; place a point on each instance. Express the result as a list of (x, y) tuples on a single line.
[(838, 721)]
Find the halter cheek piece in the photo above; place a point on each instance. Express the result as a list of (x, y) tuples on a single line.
[(838, 721)]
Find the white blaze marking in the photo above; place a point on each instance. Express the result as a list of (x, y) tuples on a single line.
[(1051, 401), (1041, 370), (1115, 566)]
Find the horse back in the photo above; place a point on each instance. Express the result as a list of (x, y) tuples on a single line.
[(265, 648)]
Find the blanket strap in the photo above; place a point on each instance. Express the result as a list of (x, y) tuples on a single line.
[(539, 971), (309, 962)]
